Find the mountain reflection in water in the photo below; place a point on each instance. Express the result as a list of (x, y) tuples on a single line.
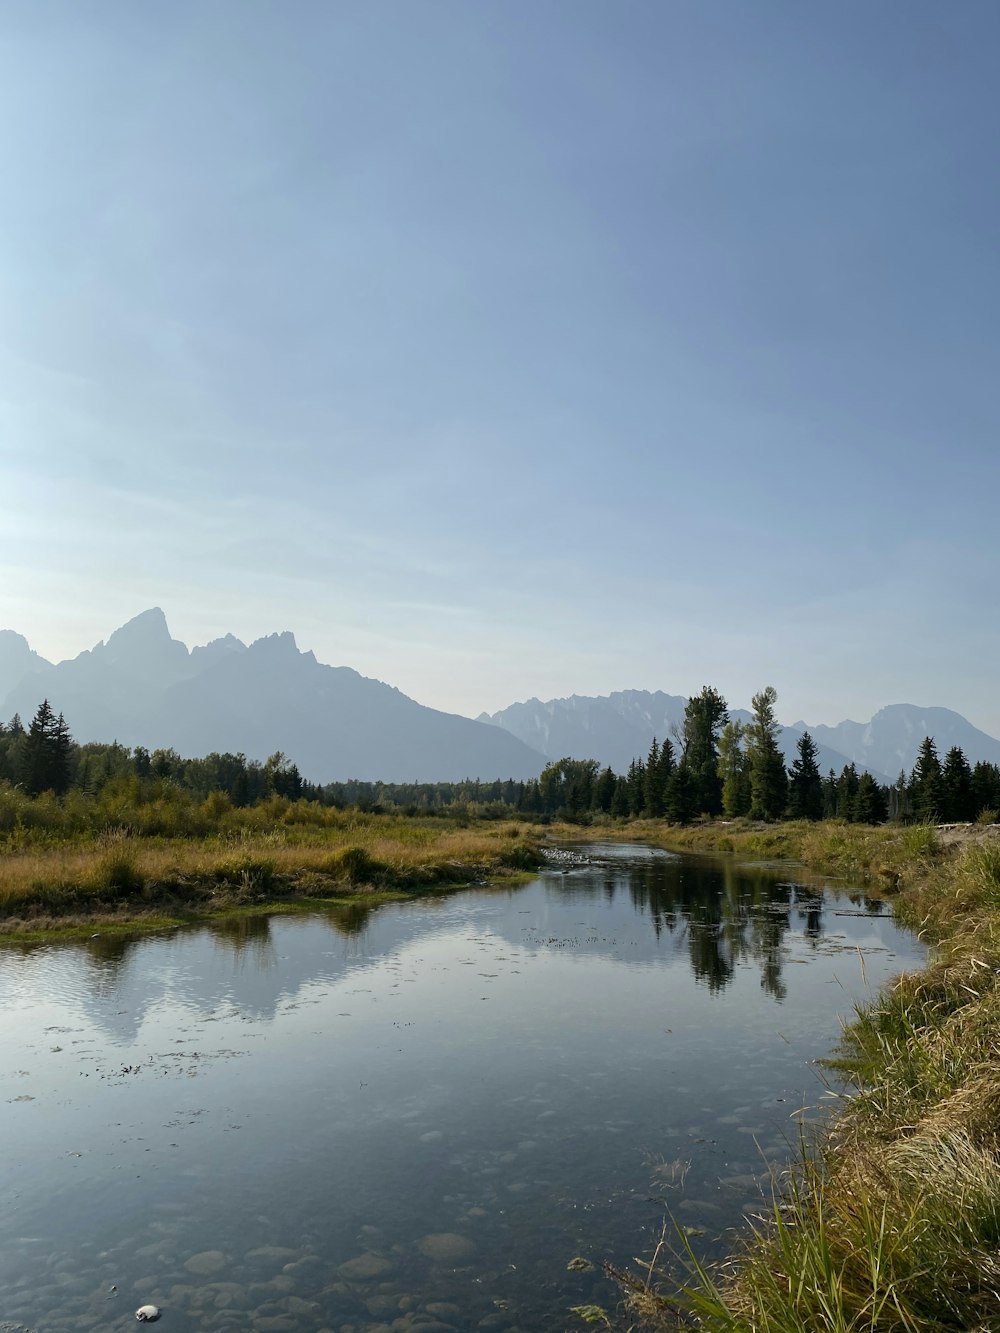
[(424, 1109)]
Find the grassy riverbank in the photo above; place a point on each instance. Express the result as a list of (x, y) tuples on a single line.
[(119, 876), (892, 1223)]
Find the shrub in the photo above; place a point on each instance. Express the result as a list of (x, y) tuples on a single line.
[(357, 866), (247, 874), (117, 873)]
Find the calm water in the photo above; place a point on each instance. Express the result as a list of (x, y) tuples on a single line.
[(414, 1117)]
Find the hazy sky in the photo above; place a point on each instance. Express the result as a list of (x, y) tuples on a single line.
[(504, 348)]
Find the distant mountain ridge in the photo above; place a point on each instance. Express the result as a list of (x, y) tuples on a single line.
[(143, 687), (890, 740), (616, 728)]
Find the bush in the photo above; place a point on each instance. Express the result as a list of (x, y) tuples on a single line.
[(247, 874), (357, 866), (117, 873)]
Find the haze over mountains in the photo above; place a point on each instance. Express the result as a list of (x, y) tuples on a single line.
[(142, 687), (618, 727), (614, 728)]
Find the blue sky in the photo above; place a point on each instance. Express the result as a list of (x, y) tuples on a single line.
[(511, 349)]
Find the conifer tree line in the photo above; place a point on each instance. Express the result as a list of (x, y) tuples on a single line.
[(721, 767), (44, 758), (712, 766)]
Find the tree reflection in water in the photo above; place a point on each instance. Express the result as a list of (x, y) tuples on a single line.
[(723, 915), (726, 915)]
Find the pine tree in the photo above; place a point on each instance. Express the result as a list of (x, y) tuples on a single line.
[(604, 791), (620, 805), (46, 753), (870, 804), (925, 782), (898, 798), (958, 803), (667, 765), (768, 780), (986, 787), (636, 788), (847, 789), (805, 786), (830, 795), (654, 785), (61, 757), (682, 795)]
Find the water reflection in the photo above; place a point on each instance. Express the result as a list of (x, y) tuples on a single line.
[(725, 916), (426, 1109), (720, 916)]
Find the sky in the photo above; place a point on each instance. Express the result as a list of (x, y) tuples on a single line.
[(502, 349)]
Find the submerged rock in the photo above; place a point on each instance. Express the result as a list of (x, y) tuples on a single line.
[(365, 1267), (445, 1247), (206, 1263)]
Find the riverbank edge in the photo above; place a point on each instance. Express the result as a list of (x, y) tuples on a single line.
[(890, 1220), (132, 902)]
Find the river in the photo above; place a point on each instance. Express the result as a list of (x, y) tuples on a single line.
[(416, 1117)]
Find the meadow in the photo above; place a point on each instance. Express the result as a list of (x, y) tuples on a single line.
[(120, 859)]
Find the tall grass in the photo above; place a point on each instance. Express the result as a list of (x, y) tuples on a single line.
[(250, 860)]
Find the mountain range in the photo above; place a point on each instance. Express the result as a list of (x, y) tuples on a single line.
[(617, 727), (143, 687)]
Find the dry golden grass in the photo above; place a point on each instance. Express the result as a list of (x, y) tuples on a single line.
[(352, 853)]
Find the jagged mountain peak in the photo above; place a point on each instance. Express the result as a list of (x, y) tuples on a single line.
[(143, 647), (148, 626), (282, 642), (143, 687)]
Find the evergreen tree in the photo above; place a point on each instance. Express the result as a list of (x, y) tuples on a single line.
[(682, 795), (847, 789), (604, 791), (62, 756), (870, 805), (704, 717), (620, 805), (530, 802), (768, 780), (45, 762), (654, 788), (734, 771), (805, 786), (667, 765), (986, 787), (636, 788), (898, 798), (925, 782), (958, 803), (830, 795)]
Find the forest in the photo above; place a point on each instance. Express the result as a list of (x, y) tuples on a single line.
[(712, 767)]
